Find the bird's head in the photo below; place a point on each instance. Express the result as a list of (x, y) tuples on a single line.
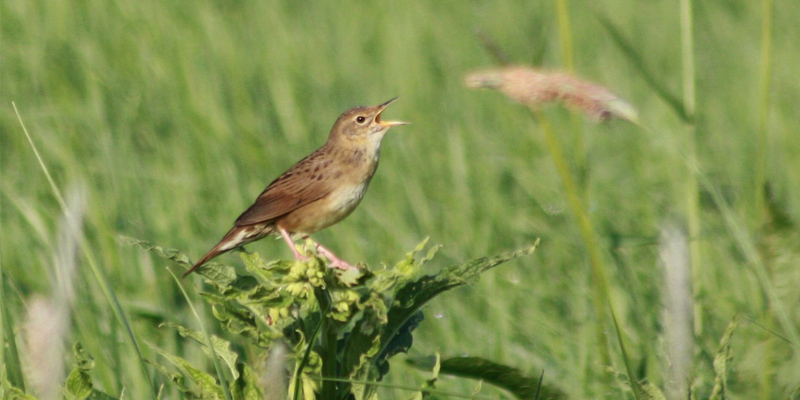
[(362, 126)]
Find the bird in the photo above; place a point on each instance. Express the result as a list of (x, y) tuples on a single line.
[(318, 191)]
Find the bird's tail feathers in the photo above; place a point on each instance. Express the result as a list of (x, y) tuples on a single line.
[(237, 236)]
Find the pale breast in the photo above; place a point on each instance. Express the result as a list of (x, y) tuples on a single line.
[(324, 212), (347, 176)]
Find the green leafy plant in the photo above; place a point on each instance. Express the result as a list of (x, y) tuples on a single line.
[(342, 327)]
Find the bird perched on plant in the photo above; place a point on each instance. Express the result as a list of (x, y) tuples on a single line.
[(317, 192)]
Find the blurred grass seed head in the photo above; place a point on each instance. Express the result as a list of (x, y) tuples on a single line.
[(533, 88)]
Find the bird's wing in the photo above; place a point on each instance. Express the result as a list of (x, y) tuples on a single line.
[(296, 188)]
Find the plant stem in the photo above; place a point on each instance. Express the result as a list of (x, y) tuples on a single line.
[(692, 188), (565, 36), (767, 376), (329, 346), (763, 110)]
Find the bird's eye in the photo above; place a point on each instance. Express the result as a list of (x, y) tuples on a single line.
[(360, 119)]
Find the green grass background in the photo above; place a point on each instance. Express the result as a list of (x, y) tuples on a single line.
[(175, 115)]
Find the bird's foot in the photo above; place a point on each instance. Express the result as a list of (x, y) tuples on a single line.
[(336, 262)]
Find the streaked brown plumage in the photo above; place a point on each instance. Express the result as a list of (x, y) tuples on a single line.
[(317, 192)]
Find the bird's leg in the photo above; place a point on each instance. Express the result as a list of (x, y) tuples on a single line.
[(336, 262), (291, 244)]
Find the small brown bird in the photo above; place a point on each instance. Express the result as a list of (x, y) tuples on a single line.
[(317, 192)]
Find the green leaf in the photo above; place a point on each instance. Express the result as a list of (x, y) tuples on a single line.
[(168, 253), (508, 378), (430, 384), (246, 386), (79, 384), (12, 393), (239, 320), (632, 380), (218, 274), (403, 271), (206, 384), (221, 347), (361, 344), (400, 342), (83, 360), (177, 378)]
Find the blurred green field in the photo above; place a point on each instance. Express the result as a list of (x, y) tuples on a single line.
[(175, 115)]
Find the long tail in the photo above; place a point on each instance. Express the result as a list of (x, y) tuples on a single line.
[(237, 236)]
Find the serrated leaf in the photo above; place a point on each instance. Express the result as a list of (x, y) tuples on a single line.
[(503, 376), (409, 266), (246, 386), (78, 385), (222, 347), (7, 391), (16, 394), (206, 383), (403, 271), (237, 320), (175, 377), (163, 252), (83, 360), (361, 344), (400, 342), (216, 273)]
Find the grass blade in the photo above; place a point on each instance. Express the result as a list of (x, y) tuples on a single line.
[(637, 392), (765, 83), (105, 287)]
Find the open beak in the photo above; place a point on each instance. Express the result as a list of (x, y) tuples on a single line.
[(387, 124)]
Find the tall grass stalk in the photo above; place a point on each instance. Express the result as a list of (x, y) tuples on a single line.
[(692, 191), (765, 83), (565, 35), (600, 292), (567, 55), (105, 287), (635, 388)]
